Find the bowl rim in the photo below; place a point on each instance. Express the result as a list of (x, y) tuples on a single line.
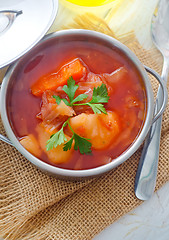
[(115, 162)]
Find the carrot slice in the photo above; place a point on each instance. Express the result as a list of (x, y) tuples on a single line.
[(51, 81)]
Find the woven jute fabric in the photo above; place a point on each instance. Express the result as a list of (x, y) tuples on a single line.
[(36, 206)]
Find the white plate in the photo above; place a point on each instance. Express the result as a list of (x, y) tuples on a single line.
[(27, 28)]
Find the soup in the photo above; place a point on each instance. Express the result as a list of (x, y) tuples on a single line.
[(49, 121)]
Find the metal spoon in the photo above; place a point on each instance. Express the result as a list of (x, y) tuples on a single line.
[(147, 169)]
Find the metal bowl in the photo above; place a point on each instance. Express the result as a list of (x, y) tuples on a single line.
[(82, 35)]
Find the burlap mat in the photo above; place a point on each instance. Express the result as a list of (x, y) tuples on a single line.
[(36, 206)]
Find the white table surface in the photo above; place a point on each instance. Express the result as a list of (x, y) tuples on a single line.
[(149, 221)]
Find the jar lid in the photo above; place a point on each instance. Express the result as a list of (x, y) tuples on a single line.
[(22, 24)]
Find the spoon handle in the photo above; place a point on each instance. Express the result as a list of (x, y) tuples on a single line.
[(147, 169)]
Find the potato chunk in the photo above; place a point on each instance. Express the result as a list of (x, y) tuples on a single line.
[(31, 144), (55, 155), (101, 129)]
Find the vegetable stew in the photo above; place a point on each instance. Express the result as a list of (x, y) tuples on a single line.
[(76, 105)]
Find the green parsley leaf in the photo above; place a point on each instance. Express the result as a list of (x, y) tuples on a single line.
[(56, 139), (68, 145), (79, 98), (70, 89), (100, 94), (82, 144), (58, 100), (97, 108)]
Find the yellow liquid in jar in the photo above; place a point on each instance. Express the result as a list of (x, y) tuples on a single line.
[(90, 3)]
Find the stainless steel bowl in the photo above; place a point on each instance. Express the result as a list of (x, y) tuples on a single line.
[(150, 118)]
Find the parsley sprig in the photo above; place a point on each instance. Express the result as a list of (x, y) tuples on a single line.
[(81, 143), (59, 138), (100, 96), (70, 90)]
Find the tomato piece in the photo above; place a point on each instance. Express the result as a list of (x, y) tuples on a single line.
[(51, 81)]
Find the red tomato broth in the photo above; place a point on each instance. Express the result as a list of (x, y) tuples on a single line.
[(23, 106)]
